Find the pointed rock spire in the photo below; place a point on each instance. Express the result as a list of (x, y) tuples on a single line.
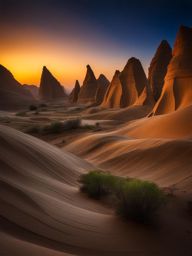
[(50, 88), (158, 68), (112, 98), (177, 88), (133, 80), (102, 85), (88, 90), (73, 97), (12, 93)]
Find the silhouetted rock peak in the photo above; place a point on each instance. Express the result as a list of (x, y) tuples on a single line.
[(50, 88), (12, 93), (102, 85), (102, 80), (73, 97), (89, 87), (158, 68)]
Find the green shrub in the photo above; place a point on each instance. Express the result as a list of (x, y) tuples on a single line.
[(139, 200), (97, 183), (58, 127), (134, 199), (32, 107)]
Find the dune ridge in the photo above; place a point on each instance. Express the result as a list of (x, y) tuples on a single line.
[(43, 213)]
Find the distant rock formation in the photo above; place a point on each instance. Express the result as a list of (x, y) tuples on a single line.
[(12, 93), (34, 90), (177, 89), (112, 98), (88, 89), (50, 88), (102, 85), (158, 68), (73, 97), (134, 82)]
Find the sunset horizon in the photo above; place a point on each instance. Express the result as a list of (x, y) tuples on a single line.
[(69, 36)]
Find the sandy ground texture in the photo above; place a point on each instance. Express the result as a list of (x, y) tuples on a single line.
[(43, 213)]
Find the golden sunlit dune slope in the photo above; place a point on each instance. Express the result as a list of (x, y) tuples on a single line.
[(42, 212), (154, 148)]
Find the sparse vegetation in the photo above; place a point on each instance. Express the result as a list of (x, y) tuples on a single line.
[(139, 200), (55, 127), (134, 199)]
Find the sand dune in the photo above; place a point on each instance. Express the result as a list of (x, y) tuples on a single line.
[(42, 212), (173, 125)]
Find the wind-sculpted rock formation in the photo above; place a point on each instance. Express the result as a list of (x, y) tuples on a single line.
[(88, 89), (50, 88), (73, 97), (132, 87), (12, 93), (134, 81), (102, 84), (158, 68), (112, 98), (177, 89)]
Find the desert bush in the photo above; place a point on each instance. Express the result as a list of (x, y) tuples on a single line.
[(97, 183), (32, 107), (139, 200), (58, 127), (134, 199)]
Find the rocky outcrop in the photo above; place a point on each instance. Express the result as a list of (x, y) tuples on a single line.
[(34, 90), (12, 93), (134, 82), (88, 89), (50, 88), (73, 97), (158, 68), (112, 98), (102, 85), (177, 89)]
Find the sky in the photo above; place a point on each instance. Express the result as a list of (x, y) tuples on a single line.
[(66, 35)]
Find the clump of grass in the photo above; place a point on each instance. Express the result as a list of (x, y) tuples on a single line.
[(139, 200), (134, 199), (58, 127), (97, 183)]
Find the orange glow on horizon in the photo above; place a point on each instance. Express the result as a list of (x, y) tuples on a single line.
[(24, 53)]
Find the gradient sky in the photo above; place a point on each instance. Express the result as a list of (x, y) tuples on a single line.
[(67, 35)]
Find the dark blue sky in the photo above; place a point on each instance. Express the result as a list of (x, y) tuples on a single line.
[(115, 29)]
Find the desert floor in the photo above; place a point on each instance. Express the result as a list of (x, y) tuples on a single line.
[(42, 210)]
